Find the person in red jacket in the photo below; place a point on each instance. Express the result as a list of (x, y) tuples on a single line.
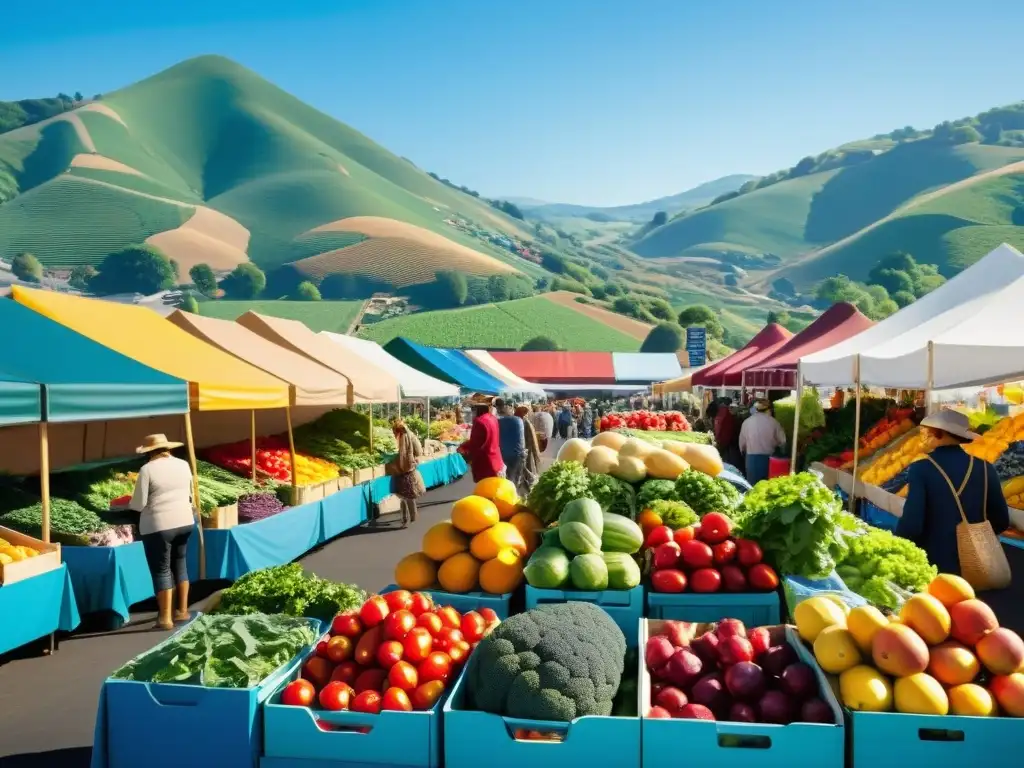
[(483, 450)]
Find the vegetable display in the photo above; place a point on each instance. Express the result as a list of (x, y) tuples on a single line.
[(655, 490), (881, 567), (701, 438), (258, 506), (14, 553), (614, 495), (656, 421), (812, 415), (288, 589), (991, 445), (891, 463), (223, 651), (944, 654), (706, 494), (273, 460), (562, 482), (556, 663), (674, 514), (70, 522)]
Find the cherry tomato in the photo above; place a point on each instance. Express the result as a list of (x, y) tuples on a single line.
[(473, 626), (339, 649), (374, 611), (431, 622), (396, 698), (347, 624), (336, 696), (450, 617), (346, 672), (437, 666), (370, 680), (420, 603), (321, 649), (425, 695), (417, 645), (489, 616), (298, 693), (318, 671), (368, 702), (389, 653), (399, 600), (398, 624), (403, 675), (459, 652), (446, 638)]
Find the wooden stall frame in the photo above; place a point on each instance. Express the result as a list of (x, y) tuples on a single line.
[(190, 443)]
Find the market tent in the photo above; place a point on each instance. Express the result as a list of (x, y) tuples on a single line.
[(894, 351), (769, 337), (645, 367), (413, 383), (449, 365), (568, 367), (569, 388), (683, 383), (217, 381), (513, 383), (20, 401), (839, 322), (370, 383), (311, 384)]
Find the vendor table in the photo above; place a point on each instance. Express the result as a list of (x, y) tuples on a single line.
[(36, 607), (109, 578)]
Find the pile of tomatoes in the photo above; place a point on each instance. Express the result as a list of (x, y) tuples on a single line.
[(397, 652), (650, 421)]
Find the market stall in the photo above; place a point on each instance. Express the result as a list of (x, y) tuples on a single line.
[(645, 367), (449, 365), (560, 367), (771, 337), (414, 383), (516, 384)]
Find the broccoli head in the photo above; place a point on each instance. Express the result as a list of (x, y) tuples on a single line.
[(556, 662)]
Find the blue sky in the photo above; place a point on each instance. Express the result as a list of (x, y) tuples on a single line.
[(587, 101)]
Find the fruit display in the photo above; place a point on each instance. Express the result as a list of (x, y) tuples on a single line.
[(587, 549), (945, 653), (652, 421), (706, 558), (15, 553), (991, 445), (483, 546), (896, 423), (730, 673), (1011, 464), (395, 652), (884, 568), (273, 460), (915, 445)]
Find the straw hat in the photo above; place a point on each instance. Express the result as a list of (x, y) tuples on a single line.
[(953, 422), (152, 443), (762, 405)]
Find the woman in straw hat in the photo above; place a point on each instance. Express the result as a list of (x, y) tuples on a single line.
[(946, 487), (406, 481), (163, 499)]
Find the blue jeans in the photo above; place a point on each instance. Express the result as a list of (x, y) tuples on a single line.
[(757, 467)]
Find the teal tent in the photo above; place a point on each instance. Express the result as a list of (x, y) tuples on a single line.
[(451, 365), (81, 379), (20, 401)]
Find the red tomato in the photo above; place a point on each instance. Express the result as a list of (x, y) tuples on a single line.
[(389, 653), (657, 536), (298, 693), (366, 648), (748, 552), (347, 624), (398, 624), (446, 638), (724, 552), (670, 580), (399, 600), (696, 554), (420, 603), (473, 626), (459, 652), (450, 617), (339, 649), (403, 675), (763, 577), (368, 702), (417, 645), (370, 680), (437, 666), (489, 616), (321, 649), (431, 622), (715, 528), (425, 695), (346, 672), (705, 580), (684, 534), (666, 555), (374, 611), (336, 696), (318, 671), (397, 699)]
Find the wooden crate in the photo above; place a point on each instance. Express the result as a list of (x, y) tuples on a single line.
[(378, 471), (304, 494), (331, 486), (361, 476), (344, 482), (47, 560), (222, 518)]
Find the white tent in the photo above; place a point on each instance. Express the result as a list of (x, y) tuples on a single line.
[(515, 384), (413, 383), (963, 333)]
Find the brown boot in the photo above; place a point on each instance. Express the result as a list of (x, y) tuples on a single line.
[(182, 613), (413, 511), (163, 602)]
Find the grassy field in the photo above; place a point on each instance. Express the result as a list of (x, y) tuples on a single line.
[(507, 325), (335, 316)]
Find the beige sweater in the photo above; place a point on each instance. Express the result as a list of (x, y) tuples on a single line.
[(163, 495)]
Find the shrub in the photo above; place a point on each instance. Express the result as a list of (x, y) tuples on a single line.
[(246, 281), (664, 337), (136, 269), (540, 344), (307, 291), (27, 267)]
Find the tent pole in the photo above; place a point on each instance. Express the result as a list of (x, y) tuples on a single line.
[(252, 441), (190, 444), (796, 416), (743, 386), (291, 453), (44, 477), (856, 436), (370, 406), (428, 415), (930, 385)]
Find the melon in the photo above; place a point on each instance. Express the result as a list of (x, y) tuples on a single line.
[(601, 460), (574, 449), (664, 465), (613, 440), (630, 468), (636, 448)]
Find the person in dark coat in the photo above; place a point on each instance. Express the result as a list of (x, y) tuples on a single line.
[(933, 509)]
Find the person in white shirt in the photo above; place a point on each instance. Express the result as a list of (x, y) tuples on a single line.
[(760, 436), (163, 497)]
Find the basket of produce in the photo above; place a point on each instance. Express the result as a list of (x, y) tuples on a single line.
[(23, 556), (736, 696), (583, 712), (371, 692)]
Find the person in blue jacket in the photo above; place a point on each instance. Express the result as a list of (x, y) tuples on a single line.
[(949, 487)]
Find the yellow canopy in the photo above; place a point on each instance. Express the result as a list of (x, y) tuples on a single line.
[(370, 384), (311, 383), (217, 381), (681, 384)]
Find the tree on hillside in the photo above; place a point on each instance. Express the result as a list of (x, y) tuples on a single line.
[(661, 310), (27, 267), (204, 279), (781, 317), (78, 96), (307, 291), (452, 288), (903, 298), (339, 285), (877, 293), (664, 337), (189, 304), (926, 279), (80, 276), (246, 281), (659, 219), (965, 134), (138, 268), (553, 262), (540, 344), (497, 288), (627, 305), (702, 315)]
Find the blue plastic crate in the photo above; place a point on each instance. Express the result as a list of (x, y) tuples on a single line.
[(755, 609), (474, 739), (625, 606), (878, 517), (748, 745), (160, 725), (470, 601)]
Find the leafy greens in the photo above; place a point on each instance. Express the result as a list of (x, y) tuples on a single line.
[(562, 482), (290, 590)]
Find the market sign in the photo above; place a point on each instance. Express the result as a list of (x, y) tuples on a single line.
[(697, 345)]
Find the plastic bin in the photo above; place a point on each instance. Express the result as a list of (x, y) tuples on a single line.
[(750, 745), (470, 601), (797, 589), (160, 725), (755, 609), (777, 467), (474, 739), (625, 606), (878, 517)]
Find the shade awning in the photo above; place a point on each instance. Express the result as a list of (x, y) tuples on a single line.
[(370, 383), (412, 382), (541, 367), (682, 383), (217, 381), (20, 401), (769, 337), (645, 367), (449, 365), (311, 384), (570, 388), (513, 383)]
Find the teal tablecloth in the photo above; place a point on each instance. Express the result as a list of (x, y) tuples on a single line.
[(109, 578), (36, 607)]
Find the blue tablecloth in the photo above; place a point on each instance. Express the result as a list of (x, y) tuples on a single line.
[(343, 510), (109, 578), (36, 607)]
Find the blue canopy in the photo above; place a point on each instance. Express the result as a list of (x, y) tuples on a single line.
[(81, 379), (451, 365)]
